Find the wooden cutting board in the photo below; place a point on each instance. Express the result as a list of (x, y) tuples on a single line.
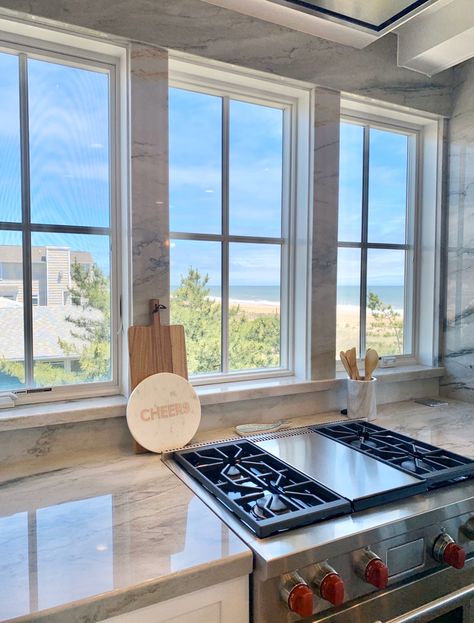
[(155, 348)]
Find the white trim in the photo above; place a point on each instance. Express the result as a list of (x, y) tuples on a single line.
[(423, 216), (87, 52), (195, 74)]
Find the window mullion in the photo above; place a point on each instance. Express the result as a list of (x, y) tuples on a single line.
[(364, 236), (225, 238), (26, 221)]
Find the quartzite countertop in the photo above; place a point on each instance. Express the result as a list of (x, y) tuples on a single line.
[(94, 541), (100, 539)]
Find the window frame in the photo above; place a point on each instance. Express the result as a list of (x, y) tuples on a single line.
[(425, 223), (84, 53), (192, 74), (410, 306)]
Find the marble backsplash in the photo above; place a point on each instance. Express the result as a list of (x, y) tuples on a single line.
[(459, 323), (46, 448), (213, 32)]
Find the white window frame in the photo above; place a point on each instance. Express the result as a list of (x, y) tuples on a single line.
[(193, 74), (423, 225), (25, 39)]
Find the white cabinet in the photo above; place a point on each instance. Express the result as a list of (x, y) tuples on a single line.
[(227, 602)]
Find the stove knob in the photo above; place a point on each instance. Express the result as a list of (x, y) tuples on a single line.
[(332, 589), (446, 550), (376, 573), (371, 569), (468, 529), (297, 595), (329, 584)]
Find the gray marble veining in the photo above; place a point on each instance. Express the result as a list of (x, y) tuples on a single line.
[(149, 162), (459, 326), (213, 32), (90, 542), (324, 234)]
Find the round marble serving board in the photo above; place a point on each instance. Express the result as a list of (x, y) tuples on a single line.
[(163, 412)]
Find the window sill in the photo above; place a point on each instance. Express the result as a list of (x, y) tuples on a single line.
[(221, 393), (70, 412)]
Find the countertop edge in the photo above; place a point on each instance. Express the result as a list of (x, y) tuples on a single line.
[(151, 592)]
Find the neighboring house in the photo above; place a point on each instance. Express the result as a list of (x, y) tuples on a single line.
[(51, 271)]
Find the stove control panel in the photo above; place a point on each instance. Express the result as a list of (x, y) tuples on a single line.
[(446, 550), (329, 584)]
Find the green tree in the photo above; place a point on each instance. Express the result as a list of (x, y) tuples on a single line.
[(90, 335), (387, 323), (201, 316), (253, 342)]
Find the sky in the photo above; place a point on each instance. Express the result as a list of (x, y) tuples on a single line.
[(69, 153), (69, 163), (255, 191)]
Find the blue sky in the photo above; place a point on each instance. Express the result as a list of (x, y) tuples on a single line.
[(69, 152)]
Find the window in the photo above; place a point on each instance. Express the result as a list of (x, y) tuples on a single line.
[(231, 150), (57, 221), (375, 299)]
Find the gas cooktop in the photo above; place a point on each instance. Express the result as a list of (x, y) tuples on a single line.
[(293, 478)]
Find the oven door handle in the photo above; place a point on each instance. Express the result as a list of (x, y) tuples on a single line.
[(436, 607)]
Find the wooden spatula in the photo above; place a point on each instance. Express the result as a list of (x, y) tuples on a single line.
[(371, 362), (352, 361), (345, 363)]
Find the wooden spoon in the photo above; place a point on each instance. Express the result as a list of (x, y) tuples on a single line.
[(345, 363), (352, 360), (371, 362)]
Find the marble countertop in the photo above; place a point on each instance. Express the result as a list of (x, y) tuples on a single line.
[(99, 539), (93, 541)]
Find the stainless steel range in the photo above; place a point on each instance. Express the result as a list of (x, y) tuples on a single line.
[(349, 522)]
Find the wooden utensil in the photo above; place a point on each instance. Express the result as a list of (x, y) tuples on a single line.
[(345, 363), (155, 348), (352, 361), (371, 362)]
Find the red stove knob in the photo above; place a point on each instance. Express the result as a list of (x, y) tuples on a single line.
[(446, 550), (376, 573), (297, 595), (454, 555), (328, 583), (332, 589), (300, 600)]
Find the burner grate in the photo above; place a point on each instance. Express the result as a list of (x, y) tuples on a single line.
[(435, 465), (266, 493)]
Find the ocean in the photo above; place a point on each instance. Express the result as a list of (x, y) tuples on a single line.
[(346, 295)]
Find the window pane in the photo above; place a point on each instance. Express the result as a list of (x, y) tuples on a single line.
[(254, 306), (385, 300), (348, 300), (14, 571), (388, 161), (10, 171), (69, 145), (12, 370), (196, 301), (71, 308), (255, 173), (195, 161), (350, 182)]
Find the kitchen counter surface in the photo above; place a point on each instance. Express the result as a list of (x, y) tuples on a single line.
[(90, 542)]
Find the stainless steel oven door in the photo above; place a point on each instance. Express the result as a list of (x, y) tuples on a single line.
[(453, 608)]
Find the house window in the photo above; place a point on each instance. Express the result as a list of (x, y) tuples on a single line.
[(377, 196), (230, 157), (57, 159)]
